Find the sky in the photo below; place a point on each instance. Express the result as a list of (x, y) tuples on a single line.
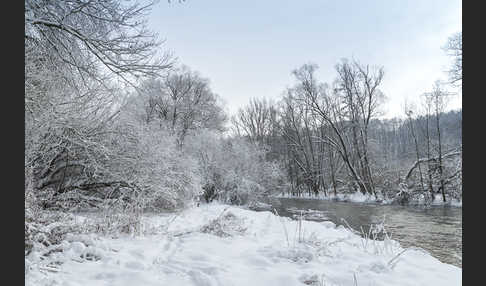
[(249, 48)]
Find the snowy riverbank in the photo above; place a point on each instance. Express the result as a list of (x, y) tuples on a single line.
[(361, 198), (222, 245)]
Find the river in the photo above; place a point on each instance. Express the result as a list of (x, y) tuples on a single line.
[(436, 229)]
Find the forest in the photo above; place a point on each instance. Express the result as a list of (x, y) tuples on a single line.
[(330, 139)]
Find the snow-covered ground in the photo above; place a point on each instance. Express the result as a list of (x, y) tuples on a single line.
[(359, 197), (221, 245)]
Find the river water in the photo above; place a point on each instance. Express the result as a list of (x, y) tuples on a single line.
[(436, 229)]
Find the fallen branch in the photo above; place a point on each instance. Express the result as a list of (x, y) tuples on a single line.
[(425, 160)]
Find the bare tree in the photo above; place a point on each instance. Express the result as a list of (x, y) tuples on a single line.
[(95, 39), (183, 101), (439, 100), (299, 166), (255, 120), (328, 108), (453, 48), (428, 110), (358, 85), (409, 113)]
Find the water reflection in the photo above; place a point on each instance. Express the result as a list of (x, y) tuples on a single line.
[(435, 229)]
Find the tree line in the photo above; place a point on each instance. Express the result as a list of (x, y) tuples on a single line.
[(330, 138)]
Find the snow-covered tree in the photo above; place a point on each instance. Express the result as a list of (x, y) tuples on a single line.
[(79, 57), (453, 48), (183, 101), (233, 169)]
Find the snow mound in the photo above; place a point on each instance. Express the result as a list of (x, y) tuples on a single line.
[(259, 206), (225, 226)]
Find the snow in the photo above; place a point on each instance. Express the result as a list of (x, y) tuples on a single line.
[(217, 244), (356, 197), (438, 201), (359, 197)]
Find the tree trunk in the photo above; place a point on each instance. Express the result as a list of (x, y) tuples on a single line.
[(440, 159)]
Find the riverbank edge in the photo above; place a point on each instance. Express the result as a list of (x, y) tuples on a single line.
[(369, 199)]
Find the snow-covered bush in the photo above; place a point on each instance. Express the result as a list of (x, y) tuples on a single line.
[(170, 177), (167, 176), (233, 168)]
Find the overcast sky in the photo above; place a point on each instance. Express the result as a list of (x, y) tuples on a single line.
[(248, 48)]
